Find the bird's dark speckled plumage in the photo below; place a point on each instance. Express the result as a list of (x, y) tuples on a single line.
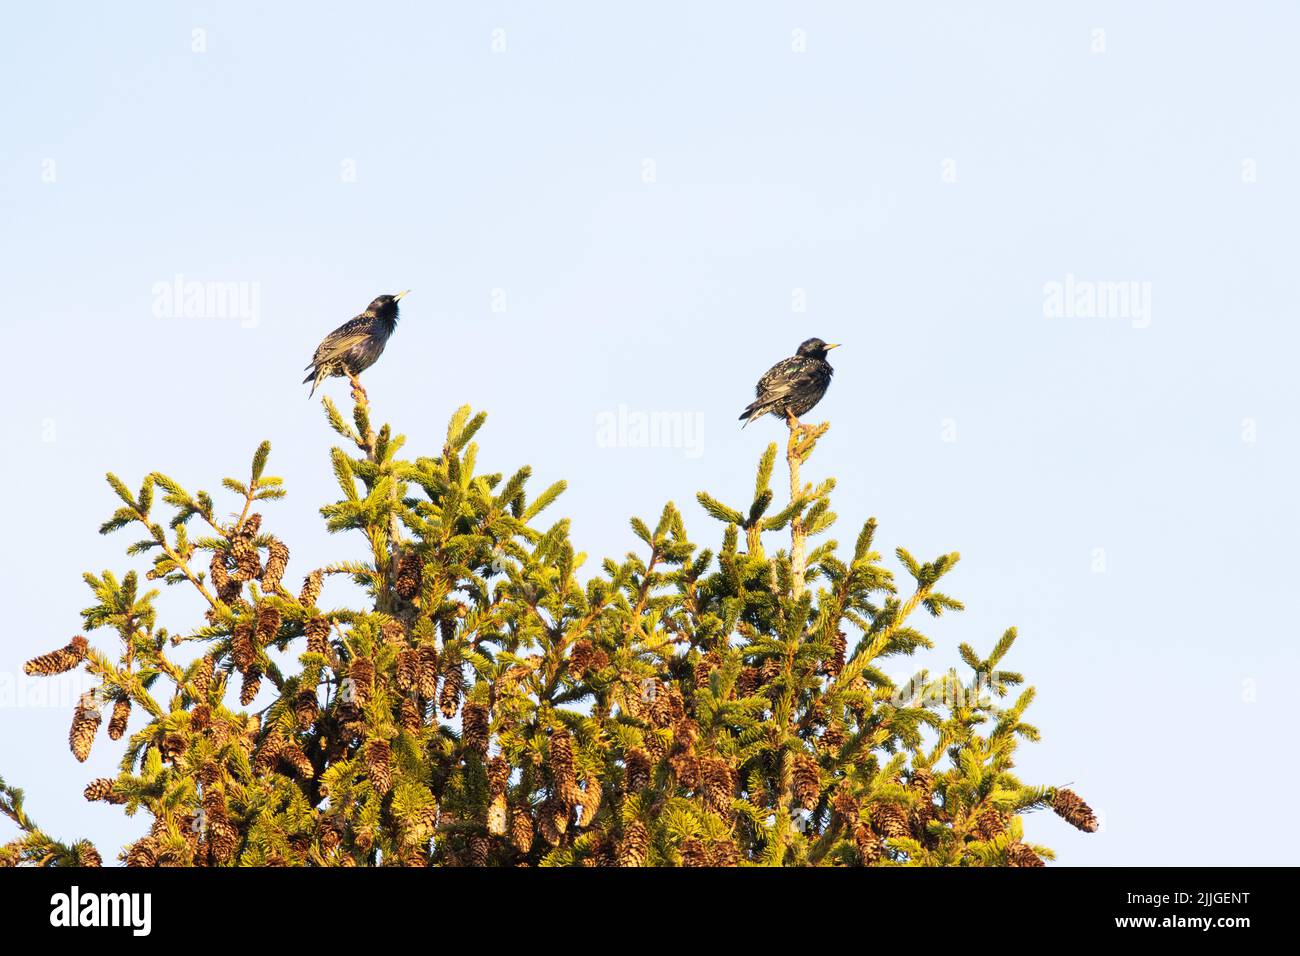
[(793, 385), (356, 344)]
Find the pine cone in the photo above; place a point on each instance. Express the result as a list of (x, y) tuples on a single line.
[(102, 789), (201, 677), (521, 830), (719, 785), (310, 590), (223, 839), (412, 715), (846, 805), (747, 682), (87, 855), (361, 673), (227, 588), (498, 774), (85, 723), (725, 853), (407, 671), (474, 727), (1020, 855), (452, 682), (695, 852), (589, 802), (251, 684), (242, 652), (686, 769), (427, 672), (409, 575), (868, 844), (833, 737), (989, 824), (890, 820), (121, 714), (705, 666), (1069, 806), (276, 560), (637, 765), (379, 765), (497, 815), (560, 763), (552, 820), (317, 630), (634, 846), (268, 624), (306, 707), (243, 550), (922, 780), (60, 661), (807, 781), (200, 717), (142, 853), (839, 646)]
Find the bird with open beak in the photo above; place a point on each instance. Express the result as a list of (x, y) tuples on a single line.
[(356, 344)]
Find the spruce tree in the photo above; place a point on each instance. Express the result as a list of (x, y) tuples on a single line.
[(488, 703)]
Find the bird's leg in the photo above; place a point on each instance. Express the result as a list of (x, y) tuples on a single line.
[(358, 393)]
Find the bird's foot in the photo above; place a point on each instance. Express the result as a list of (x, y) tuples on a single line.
[(358, 393)]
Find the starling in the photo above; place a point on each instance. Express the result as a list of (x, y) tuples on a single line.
[(356, 344), (794, 385)]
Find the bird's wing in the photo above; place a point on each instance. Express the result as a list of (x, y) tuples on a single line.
[(350, 333), (782, 379)]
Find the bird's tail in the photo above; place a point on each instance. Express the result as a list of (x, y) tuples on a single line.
[(755, 410), (314, 378)]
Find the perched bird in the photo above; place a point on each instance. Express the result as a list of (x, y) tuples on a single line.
[(794, 385), (356, 344)]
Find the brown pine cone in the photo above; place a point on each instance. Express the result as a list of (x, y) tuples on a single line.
[(839, 646), (922, 780), (409, 575), (685, 766), (989, 824), (317, 630), (251, 684), (725, 853), (361, 674), (407, 671), (223, 840), (637, 770), (806, 781), (846, 805), (497, 815), (475, 727), (201, 677), (589, 802), (719, 782), (102, 789), (310, 590), (1020, 855), (695, 852), (412, 715), (142, 853), (87, 855), (242, 652), (890, 820), (635, 845), (747, 683), (276, 560), (552, 820), (85, 723), (427, 672), (268, 624), (121, 714), (227, 588), (200, 717), (306, 707), (498, 774), (1069, 806), (559, 759), (60, 661), (521, 830), (452, 683), (868, 844), (379, 765)]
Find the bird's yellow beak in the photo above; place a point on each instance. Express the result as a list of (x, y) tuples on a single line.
[(835, 346), (400, 294)]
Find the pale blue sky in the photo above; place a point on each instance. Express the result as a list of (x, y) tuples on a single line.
[(1162, 679)]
